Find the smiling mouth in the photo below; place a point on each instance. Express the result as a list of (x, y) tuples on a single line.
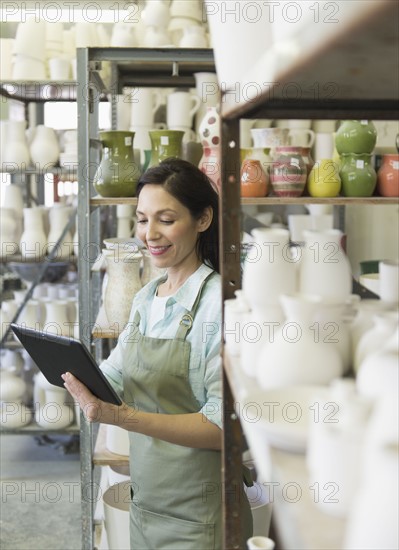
[(158, 250)]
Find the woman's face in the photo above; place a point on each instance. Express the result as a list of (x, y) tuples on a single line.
[(168, 229)]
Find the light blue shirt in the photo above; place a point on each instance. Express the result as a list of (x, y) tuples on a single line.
[(205, 374)]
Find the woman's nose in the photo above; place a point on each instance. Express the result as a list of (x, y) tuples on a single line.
[(152, 232)]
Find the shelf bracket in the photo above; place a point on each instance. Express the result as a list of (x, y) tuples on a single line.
[(175, 68)]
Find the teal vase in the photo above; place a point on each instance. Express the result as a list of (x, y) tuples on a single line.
[(358, 176), (117, 174), (165, 144)]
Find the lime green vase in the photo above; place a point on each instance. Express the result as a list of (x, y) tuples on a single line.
[(117, 174), (358, 176), (165, 144), (355, 136)]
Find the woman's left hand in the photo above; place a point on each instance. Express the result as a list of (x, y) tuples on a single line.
[(93, 408)]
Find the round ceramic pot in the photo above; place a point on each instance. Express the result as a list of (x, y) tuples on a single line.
[(355, 136), (388, 176), (357, 174)]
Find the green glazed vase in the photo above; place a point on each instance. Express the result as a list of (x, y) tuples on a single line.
[(117, 174), (358, 176), (165, 144), (355, 136)]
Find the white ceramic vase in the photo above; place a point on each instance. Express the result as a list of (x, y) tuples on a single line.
[(44, 149), (296, 354), (58, 218), (9, 241), (51, 404), (56, 318), (16, 150), (324, 268), (269, 269), (33, 239), (123, 270), (149, 270)]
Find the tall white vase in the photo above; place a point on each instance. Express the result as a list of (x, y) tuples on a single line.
[(56, 318), (33, 239), (44, 149), (13, 199), (123, 271), (9, 244), (59, 217), (269, 269), (16, 150), (324, 268)]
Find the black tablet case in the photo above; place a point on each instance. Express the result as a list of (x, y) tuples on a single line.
[(55, 355)]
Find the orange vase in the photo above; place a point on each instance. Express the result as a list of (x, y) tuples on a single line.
[(254, 181), (388, 176)]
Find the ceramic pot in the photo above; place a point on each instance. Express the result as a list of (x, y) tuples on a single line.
[(33, 239), (56, 318), (165, 144), (117, 174), (116, 501), (209, 136), (388, 176), (324, 268), (54, 413), (307, 158), (269, 269), (123, 270), (324, 179), (12, 387), (270, 138), (296, 355), (364, 319), (378, 376), (371, 341), (355, 136), (44, 148), (288, 173), (8, 233), (16, 150), (254, 182), (357, 175), (14, 415), (58, 219)]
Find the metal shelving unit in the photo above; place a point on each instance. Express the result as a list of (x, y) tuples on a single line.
[(158, 67), (362, 60)]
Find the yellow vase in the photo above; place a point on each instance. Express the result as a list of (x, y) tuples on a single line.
[(324, 180)]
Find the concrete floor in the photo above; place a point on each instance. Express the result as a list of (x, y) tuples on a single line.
[(40, 494)]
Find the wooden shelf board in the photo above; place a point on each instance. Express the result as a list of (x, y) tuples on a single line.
[(102, 329), (110, 201), (102, 456), (312, 200)]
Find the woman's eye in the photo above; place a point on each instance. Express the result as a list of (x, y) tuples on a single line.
[(167, 221), (141, 221)]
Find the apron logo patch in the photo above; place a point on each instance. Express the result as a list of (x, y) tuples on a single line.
[(187, 320)]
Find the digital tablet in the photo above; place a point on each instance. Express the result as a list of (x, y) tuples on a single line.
[(55, 355)]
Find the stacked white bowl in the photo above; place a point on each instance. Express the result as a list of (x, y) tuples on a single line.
[(29, 62)]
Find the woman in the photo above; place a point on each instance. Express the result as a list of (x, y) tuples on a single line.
[(167, 368)]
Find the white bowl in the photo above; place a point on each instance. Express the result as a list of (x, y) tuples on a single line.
[(371, 281)]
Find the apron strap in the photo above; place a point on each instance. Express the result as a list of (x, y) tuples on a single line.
[(186, 322)]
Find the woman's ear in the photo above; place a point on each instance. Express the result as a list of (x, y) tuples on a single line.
[(205, 219)]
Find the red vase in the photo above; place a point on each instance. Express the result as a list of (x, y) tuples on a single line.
[(388, 176)]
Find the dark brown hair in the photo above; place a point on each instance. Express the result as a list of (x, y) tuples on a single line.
[(186, 183)]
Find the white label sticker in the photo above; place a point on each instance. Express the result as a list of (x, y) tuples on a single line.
[(395, 164), (164, 140), (128, 141), (360, 164), (364, 122)]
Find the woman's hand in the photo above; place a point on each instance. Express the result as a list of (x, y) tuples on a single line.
[(93, 408)]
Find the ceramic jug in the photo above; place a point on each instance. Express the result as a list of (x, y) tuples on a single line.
[(44, 148), (288, 174), (324, 268), (165, 144), (355, 136), (254, 182), (294, 355), (270, 138), (123, 271), (207, 89), (388, 176), (358, 175), (117, 173)]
